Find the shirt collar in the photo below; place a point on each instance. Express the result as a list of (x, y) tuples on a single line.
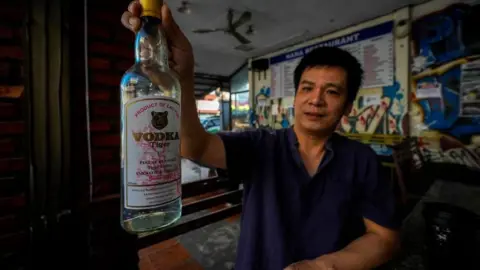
[(293, 140), (329, 147)]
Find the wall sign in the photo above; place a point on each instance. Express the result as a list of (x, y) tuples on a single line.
[(470, 89), (373, 47)]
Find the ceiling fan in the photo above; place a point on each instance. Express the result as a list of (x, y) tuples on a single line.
[(232, 27), (184, 7)]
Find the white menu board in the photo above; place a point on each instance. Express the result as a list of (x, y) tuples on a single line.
[(373, 47)]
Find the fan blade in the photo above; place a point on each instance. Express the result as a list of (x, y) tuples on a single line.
[(240, 38), (230, 18), (244, 18), (203, 31)]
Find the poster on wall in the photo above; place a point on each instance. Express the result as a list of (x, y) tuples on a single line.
[(470, 89), (445, 100), (373, 47)]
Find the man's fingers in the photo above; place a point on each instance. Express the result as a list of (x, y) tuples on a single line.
[(135, 8), (131, 22), (169, 25), (174, 35), (130, 19)]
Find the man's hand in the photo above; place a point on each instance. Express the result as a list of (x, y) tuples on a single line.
[(321, 263), (180, 50)]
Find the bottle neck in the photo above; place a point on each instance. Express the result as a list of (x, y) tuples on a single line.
[(150, 43)]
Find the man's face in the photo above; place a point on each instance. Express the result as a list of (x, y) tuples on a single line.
[(321, 99)]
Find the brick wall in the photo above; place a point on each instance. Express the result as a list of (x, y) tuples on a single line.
[(13, 137), (110, 54)]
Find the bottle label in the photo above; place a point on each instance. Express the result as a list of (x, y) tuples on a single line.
[(152, 161)]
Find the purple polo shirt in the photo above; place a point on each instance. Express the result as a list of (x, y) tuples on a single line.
[(289, 216)]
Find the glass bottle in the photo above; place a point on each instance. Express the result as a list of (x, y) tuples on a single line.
[(150, 127)]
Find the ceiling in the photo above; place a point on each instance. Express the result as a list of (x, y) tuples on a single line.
[(277, 23)]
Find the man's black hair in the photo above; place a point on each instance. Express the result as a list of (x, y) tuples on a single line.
[(333, 57)]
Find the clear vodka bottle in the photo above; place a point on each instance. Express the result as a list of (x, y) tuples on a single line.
[(150, 126)]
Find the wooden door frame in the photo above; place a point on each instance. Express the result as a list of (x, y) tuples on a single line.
[(57, 131)]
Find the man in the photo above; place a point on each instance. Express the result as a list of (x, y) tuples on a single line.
[(312, 198)]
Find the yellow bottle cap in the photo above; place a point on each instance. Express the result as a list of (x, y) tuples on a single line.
[(152, 8)]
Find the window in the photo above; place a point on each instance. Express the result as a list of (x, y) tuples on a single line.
[(208, 124), (240, 99), (240, 110), (216, 122)]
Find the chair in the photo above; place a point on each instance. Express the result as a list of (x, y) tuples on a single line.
[(411, 170)]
